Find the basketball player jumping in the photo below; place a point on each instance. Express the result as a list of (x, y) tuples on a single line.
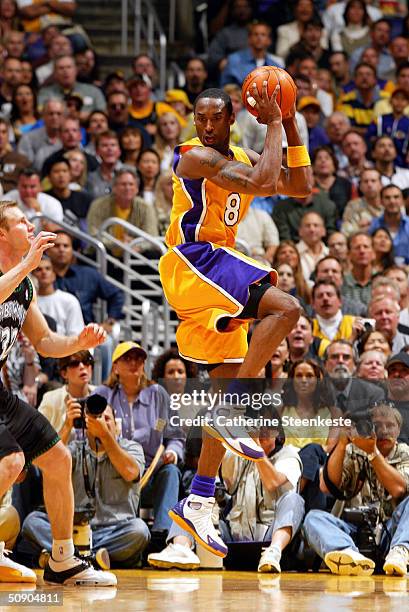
[(216, 290), (26, 436)]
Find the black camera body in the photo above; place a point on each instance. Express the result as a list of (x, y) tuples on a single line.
[(93, 405), (362, 422), (366, 519)]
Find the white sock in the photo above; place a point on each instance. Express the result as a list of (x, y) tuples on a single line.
[(275, 547), (62, 550)]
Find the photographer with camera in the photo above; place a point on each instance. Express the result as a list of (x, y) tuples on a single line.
[(105, 473), (369, 471), (61, 406)]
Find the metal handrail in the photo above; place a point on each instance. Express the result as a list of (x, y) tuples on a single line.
[(146, 309), (148, 26)]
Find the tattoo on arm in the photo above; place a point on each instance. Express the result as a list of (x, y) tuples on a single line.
[(236, 173), (211, 160)]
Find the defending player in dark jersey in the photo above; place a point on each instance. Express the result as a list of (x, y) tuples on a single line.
[(26, 436)]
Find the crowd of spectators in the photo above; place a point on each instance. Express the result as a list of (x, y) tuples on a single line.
[(81, 148)]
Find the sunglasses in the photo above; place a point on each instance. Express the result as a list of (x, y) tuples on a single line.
[(115, 106), (87, 361)]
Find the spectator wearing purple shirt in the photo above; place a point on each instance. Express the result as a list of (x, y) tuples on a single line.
[(144, 410)]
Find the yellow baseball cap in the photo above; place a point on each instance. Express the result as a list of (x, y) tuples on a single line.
[(177, 95), (308, 101), (125, 347)]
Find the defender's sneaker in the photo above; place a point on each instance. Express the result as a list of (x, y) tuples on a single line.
[(228, 426), (349, 562), (270, 561), (10, 571), (194, 515), (396, 561), (77, 572), (175, 555)]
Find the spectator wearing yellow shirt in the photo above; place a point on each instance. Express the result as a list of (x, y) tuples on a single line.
[(329, 323), (143, 107)]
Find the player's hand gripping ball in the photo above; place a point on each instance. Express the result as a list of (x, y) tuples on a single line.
[(274, 76)]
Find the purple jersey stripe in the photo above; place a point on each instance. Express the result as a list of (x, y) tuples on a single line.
[(223, 269), (192, 217), (176, 158)]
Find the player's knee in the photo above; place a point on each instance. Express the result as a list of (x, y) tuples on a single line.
[(292, 309), (58, 462), (64, 459), (12, 465)]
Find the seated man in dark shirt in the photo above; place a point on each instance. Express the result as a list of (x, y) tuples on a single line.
[(88, 285), (78, 202), (85, 282)]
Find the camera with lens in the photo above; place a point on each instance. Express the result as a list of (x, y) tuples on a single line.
[(82, 538), (362, 422), (365, 518), (93, 405)]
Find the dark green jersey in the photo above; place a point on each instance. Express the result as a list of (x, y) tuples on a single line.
[(13, 312)]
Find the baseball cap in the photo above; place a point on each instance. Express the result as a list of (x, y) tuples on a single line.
[(401, 357), (125, 347), (308, 101), (177, 95)]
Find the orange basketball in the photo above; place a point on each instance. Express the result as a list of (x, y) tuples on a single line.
[(274, 76)]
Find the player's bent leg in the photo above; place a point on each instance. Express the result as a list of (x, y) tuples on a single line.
[(55, 465), (64, 567), (278, 312)]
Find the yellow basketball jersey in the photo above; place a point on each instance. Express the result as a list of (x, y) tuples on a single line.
[(202, 211)]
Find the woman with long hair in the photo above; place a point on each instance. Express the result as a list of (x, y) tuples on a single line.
[(338, 188), (287, 253), (286, 280), (8, 16), (306, 399), (166, 139), (79, 168), (148, 166), (382, 243), (143, 409), (356, 32), (28, 76), (290, 33), (24, 115), (131, 143), (172, 371), (305, 396)]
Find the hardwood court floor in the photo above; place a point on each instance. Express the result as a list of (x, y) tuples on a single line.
[(174, 591)]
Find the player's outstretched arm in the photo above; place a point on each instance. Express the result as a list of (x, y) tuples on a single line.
[(260, 179), (296, 181), (49, 344), (11, 279)]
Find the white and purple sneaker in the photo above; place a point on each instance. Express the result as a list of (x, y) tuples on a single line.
[(194, 515), (229, 426)]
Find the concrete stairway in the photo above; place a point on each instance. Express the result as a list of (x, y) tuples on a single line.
[(102, 21)]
